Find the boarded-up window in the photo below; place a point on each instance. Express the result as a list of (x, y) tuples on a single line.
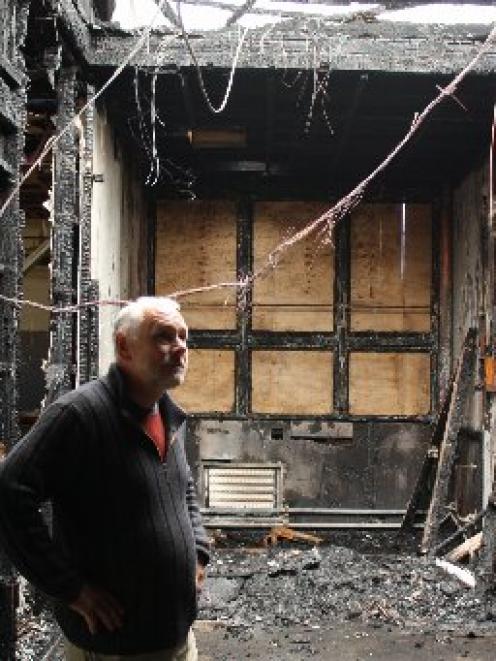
[(292, 382), (209, 384), (196, 246), (391, 267), (389, 383), (298, 294)]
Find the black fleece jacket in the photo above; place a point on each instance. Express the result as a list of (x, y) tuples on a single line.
[(123, 520)]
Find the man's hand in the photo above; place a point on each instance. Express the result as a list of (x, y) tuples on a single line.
[(200, 576), (98, 607)]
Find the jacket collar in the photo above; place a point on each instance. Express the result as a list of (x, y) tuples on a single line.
[(114, 381)]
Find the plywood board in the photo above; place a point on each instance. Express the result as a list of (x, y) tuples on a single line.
[(209, 384), (389, 383), (298, 294), (391, 267), (292, 382), (196, 247)]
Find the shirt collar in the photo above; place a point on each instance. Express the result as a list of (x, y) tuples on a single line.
[(173, 414)]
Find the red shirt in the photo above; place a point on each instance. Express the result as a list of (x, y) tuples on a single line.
[(154, 427)]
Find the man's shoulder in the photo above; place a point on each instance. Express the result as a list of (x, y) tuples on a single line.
[(91, 394)]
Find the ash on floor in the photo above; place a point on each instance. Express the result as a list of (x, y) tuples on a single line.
[(329, 584), (355, 597)]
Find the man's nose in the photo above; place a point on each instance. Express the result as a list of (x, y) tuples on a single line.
[(181, 345)]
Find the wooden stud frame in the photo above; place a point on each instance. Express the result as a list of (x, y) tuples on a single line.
[(341, 341)]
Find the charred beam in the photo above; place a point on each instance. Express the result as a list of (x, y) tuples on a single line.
[(425, 479), (380, 342), (88, 338), (489, 537), (342, 317), (435, 305), (291, 340), (213, 339), (448, 447), (65, 248), (12, 123), (243, 308), (382, 46)]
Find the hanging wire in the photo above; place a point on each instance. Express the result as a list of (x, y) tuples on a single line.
[(216, 110), (153, 175)]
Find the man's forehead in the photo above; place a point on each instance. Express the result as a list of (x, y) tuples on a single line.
[(165, 315)]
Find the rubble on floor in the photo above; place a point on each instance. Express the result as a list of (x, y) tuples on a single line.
[(291, 590), (285, 586)]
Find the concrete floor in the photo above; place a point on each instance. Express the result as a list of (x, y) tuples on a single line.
[(343, 642)]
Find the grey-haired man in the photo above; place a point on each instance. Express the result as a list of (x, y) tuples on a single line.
[(127, 555)]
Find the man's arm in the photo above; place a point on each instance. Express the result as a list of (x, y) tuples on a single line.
[(201, 538), (41, 466)]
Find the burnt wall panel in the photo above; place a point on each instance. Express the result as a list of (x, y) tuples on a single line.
[(196, 247), (298, 294), (398, 451), (390, 383), (391, 270), (325, 466), (210, 382), (292, 382)]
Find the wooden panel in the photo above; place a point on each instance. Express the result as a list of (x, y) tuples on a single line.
[(389, 383), (196, 246), (391, 267), (292, 382), (209, 384), (298, 294)]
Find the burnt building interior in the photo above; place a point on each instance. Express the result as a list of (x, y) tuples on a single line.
[(353, 384)]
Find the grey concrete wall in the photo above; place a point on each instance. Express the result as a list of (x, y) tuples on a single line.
[(118, 228)]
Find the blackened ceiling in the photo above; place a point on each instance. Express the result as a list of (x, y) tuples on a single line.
[(300, 141)]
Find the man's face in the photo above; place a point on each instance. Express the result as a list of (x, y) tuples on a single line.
[(157, 354)]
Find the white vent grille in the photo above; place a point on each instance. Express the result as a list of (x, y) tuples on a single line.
[(242, 486)]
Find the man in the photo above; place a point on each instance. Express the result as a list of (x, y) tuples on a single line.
[(128, 549)]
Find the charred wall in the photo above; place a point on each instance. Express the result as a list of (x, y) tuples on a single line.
[(472, 308), (470, 214), (374, 466)]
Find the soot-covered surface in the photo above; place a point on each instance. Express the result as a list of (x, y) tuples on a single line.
[(356, 596)]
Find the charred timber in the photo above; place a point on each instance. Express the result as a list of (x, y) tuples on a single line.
[(357, 46), (65, 244), (244, 259), (389, 341), (88, 338), (449, 444)]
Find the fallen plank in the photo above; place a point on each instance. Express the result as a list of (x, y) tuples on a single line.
[(463, 575), (283, 532), (427, 472), (440, 548), (469, 546), (448, 448)]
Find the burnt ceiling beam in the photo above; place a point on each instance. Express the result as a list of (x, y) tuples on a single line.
[(187, 99), (348, 123), (73, 26), (355, 46), (270, 104)]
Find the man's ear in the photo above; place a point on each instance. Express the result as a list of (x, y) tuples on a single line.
[(122, 348)]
